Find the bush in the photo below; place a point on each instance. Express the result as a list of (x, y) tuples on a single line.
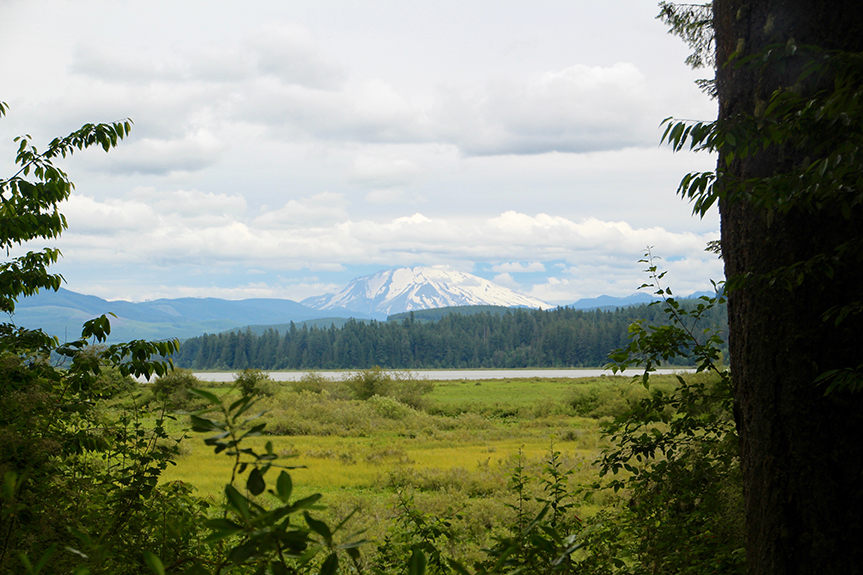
[(411, 391), (313, 382), (405, 388), (369, 383), (607, 399), (583, 400), (254, 382), (110, 382), (174, 386), (389, 408)]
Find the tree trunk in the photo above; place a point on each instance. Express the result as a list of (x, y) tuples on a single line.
[(802, 452)]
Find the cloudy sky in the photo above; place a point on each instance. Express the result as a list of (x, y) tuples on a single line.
[(282, 148)]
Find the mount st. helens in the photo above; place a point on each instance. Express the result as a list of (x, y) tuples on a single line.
[(411, 289)]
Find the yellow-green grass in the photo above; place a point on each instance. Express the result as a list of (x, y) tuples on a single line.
[(335, 464), (458, 454), (516, 392)]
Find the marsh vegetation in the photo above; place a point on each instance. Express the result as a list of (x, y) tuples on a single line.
[(472, 462)]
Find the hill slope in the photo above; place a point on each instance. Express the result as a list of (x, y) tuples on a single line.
[(62, 313)]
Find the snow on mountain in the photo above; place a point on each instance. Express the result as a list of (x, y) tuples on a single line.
[(406, 289)]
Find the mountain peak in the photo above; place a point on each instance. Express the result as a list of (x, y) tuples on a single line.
[(407, 289)]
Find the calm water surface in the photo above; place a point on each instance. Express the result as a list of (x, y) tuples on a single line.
[(439, 374)]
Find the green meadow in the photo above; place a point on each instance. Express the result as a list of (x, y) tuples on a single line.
[(450, 448), (463, 425)]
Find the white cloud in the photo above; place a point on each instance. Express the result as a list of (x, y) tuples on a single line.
[(182, 231), (554, 290), (87, 216), (290, 87), (90, 59), (394, 196), (507, 280), (275, 140), (296, 291), (321, 209), (189, 153), (292, 54), (189, 203), (578, 109), (327, 234), (380, 170), (289, 53), (518, 267), (299, 291)]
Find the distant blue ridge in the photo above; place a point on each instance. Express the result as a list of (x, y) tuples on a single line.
[(62, 313)]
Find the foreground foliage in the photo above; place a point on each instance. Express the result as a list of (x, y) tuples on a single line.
[(679, 448), (58, 452)]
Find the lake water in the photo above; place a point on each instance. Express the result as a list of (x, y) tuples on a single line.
[(441, 374)]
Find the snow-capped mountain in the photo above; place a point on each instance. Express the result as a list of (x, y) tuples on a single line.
[(406, 289)]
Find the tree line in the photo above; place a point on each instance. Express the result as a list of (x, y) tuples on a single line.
[(560, 337)]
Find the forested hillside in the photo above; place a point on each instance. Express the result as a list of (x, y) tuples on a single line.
[(560, 337)]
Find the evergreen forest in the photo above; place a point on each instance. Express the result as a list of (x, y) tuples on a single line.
[(517, 338)]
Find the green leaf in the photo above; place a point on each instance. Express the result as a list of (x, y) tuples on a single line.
[(222, 530), (458, 568), (237, 502), (239, 402), (307, 501), (352, 546), (243, 552), (154, 563), (418, 562), (331, 565), (319, 527), (223, 524), (206, 395), (256, 484), (284, 486)]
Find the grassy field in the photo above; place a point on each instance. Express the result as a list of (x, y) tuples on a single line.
[(332, 464), (515, 392), (466, 425), (451, 451)]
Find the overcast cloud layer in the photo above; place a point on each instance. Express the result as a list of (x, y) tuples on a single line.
[(281, 149)]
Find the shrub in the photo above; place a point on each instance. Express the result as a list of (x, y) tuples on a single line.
[(405, 388), (389, 408), (545, 408), (607, 399), (369, 383), (110, 382), (411, 390), (174, 386), (311, 381), (583, 400), (254, 382)]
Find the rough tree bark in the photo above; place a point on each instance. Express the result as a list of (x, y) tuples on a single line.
[(802, 452)]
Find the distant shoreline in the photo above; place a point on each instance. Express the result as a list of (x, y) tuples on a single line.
[(447, 374)]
